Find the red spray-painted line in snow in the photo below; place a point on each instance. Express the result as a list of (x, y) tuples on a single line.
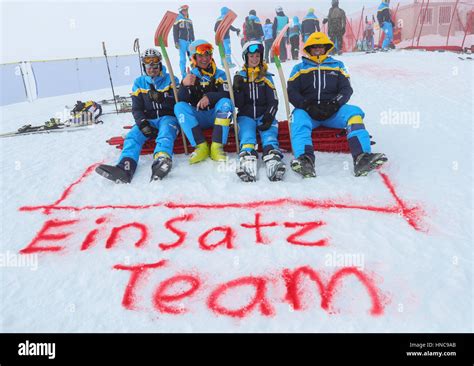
[(68, 190), (411, 214)]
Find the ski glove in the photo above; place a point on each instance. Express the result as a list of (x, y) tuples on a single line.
[(267, 120), (147, 129), (238, 83), (155, 95)]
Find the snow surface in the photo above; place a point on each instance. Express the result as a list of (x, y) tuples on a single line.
[(419, 261)]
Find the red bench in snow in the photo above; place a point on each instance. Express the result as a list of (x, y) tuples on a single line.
[(324, 139)]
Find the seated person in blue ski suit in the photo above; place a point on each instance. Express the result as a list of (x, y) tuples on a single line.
[(152, 108), (257, 101), (204, 103), (319, 88)]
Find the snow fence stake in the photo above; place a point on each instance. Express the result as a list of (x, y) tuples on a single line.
[(220, 33), (276, 57), (110, 77), (161, 39)]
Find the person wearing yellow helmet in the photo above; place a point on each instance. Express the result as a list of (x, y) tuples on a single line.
[(204, 103), (319, 88)]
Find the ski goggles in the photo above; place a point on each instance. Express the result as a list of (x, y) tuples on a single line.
[(204, 49), (255, 48), (151, 60)]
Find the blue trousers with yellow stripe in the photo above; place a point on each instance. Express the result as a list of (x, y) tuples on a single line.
[(248, 134), (347, 117), (167, 131), (193, 121)]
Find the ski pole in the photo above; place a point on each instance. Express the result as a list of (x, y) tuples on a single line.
[(110, 76), (136, 48)]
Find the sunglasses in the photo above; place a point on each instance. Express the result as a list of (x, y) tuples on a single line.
[(204, 49), (151, 60), (255, 48), (315, 46)]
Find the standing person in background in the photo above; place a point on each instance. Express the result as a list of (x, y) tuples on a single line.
[(278, 24), (386, 24), (309, 25), (336, 25), (227, 49), (183, 34), (369, 34), (253, 30), (295, 31), (268, 38)]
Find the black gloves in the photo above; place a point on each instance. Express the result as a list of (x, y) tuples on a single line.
[(267, 121), (323, 110), (155, 95), (148, 130), (238, 83)]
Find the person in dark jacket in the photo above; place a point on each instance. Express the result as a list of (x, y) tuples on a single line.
[(386, 24), (152, 108), (280, 21), (183, 34), (204, 103), (226, 40), (336, 25), (257, 102), (294, 34), (319, 89), (253, 30), (309, 25)]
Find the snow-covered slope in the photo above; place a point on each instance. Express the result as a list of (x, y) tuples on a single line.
[(389, 252)]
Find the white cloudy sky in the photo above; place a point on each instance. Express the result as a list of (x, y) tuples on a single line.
[(35, 30)]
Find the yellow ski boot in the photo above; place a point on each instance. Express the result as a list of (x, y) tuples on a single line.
[(217, 152), (200, 153)]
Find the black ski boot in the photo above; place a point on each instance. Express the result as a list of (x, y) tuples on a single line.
[(161, 167), (121, 173), (304, 166), (366, 162), (114, 173), (247, 166), (274, 167)]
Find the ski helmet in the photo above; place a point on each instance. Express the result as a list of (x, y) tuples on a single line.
[(335, 3), (252, 12), (183, 7), (278, 9), (151, 58), (201, 47), (252, 47)]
